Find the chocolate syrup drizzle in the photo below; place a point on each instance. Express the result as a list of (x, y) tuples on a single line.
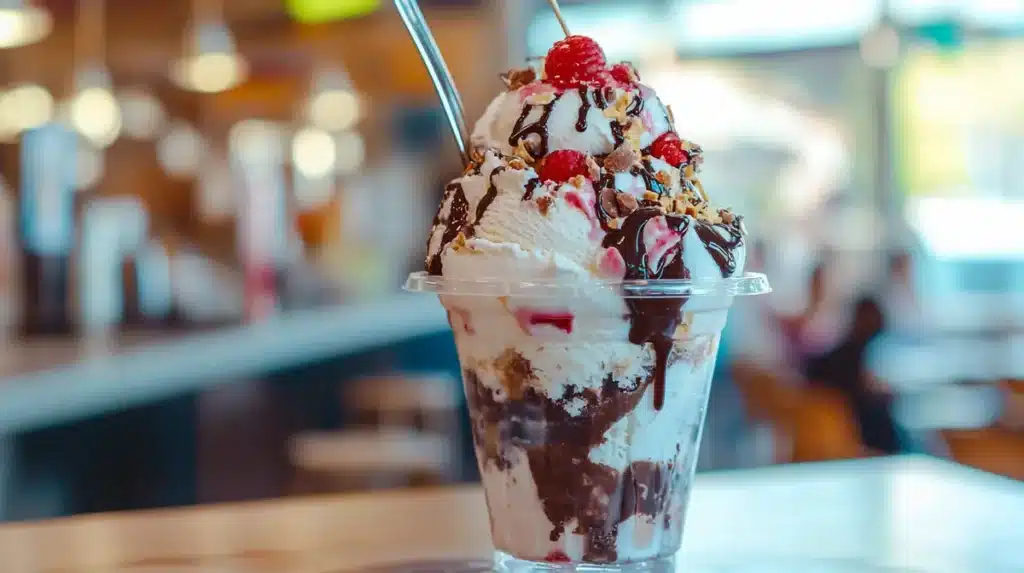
[(722, 248), (570, 486), (581, 119), (487, 199), (531, 186), (634, 110), (652, 320), (646, 172), (454, 222), (458, 216), (521, 130)]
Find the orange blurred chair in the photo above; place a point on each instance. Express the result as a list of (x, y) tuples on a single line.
[(769, 402), (824, 427), (996, 450)]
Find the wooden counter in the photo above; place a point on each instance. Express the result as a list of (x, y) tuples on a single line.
[(914, 513)]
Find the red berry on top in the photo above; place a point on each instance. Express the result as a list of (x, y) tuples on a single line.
[(669, 148), (625, 73), (561, 166), (574, 61)]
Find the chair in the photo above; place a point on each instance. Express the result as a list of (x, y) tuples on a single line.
[(996, 450), (769, 401), (1012, 417), (403, 432), (824, 427)]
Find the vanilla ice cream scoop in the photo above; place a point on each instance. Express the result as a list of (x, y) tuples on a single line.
[(561, 166)]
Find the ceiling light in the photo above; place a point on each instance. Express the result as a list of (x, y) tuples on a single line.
[(22, 23), (880, 48), (94, 111), (143, 115), (181, 150), (256, 142), (333, 103), (211, 63), (313, 152), (25, 107)]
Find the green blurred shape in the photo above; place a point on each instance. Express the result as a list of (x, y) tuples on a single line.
[(945, 34), (317, 11)]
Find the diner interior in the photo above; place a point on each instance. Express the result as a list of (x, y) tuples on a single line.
[(246, 340)]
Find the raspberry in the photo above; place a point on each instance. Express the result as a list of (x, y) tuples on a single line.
[(529, 319), (561, 166), (625, 73), (574, 61), (557, 556), (669, 148)]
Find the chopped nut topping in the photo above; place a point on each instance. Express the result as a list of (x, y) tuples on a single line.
[(727, 216), (634, 132), (627, 203), (593, 168), (515, 79), (609, 202), (517, 163), (544, 204), (690, 210), (663, 177), (651, 196), (459, 242), (666, 203), (700, 189), (578, 181), (621, 159), (523, 151), (617, 110)]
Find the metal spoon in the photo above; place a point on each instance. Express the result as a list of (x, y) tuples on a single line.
[(414, 22)]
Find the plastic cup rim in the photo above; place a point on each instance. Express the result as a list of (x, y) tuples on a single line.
[(747, 284)]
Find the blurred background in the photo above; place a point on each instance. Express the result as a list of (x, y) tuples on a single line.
[(207, 209)]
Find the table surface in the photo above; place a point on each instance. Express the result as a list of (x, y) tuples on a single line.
[(917, 513)]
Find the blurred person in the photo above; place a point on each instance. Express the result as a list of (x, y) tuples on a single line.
[(900, 305), (815, 329), (844, 369)]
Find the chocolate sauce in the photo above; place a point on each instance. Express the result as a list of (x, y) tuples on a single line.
[(618, 133), (531, 186), (634, 110), (487, 199), (652, 320), (607, 182), (455, 221), (458, 216), (637, 107), (557, 444), (581, 119), (646, 172), (521, 130), (722, 248)]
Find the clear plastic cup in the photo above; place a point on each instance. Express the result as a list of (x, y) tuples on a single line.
[(587, 403)]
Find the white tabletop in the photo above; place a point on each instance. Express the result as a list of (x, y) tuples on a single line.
[(912, 514)]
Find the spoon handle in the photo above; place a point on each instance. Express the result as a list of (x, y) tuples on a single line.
[(414, 22)]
